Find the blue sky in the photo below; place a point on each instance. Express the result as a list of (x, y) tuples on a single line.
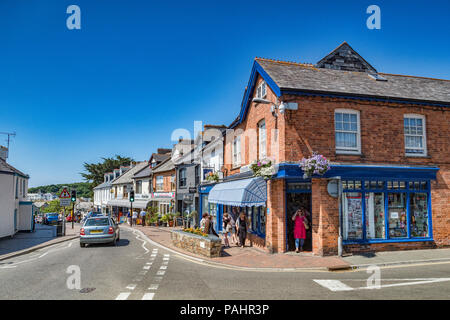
[(137, 70)]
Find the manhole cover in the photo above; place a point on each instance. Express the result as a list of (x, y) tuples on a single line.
[(87, 290)]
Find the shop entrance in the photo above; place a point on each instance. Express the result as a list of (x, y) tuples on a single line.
[(294, 202)]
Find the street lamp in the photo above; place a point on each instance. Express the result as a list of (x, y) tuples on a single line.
[(131, 205)]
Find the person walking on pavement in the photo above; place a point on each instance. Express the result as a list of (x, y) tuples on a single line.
[(143, 213), (242, 227), (203, 222), (226, 221), (300, 225), (135, 215), (129, 217)]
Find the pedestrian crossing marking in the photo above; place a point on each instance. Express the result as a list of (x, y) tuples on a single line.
[(334, 285), (148, 296), (131, 286), (160, 273), (123, 296), (153, 287)]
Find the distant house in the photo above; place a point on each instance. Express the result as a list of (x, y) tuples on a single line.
[(16, 211)]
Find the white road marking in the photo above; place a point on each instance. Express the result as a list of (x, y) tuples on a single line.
[(160, 273), (137, 279), (123, 296), (165, 263), (166, 259), (153, 287), (143, 272), (158, 279), (153, 255), (131, 286), (163, 267), (146, 267), (148, 296), (334, 285), (167, 255), (149, 263)]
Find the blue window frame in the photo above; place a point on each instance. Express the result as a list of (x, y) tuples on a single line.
[(386, 211)]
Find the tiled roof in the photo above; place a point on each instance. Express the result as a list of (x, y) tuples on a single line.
[(164, 166), (128, 176), (296, 76), (6, 167), (143, 173)]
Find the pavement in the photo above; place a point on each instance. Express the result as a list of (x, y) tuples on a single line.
[(138, 269), (43, 236), (254, 258)]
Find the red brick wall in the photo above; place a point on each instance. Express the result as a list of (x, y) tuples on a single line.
[(167, 184), (440, 207), (325, 219), (276, 217)]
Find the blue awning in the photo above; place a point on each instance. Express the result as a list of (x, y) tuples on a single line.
[(242, 193)]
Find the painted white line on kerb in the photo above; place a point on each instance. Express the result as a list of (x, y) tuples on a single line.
[(334, 285), (153, 287), (148, 296), (123, 296), (131, 287)]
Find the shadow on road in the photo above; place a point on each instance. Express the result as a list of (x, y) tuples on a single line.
[(120, 243)]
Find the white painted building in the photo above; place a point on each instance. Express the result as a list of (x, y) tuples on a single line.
[(16, 211)]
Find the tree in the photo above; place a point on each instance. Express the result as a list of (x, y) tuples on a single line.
[(95, 172)]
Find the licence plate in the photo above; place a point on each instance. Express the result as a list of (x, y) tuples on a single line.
[(97, 231)]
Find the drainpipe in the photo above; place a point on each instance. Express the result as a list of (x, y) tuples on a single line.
[(340, 247)]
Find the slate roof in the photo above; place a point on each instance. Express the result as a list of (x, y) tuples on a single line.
[(128, 176), (143, 173), (164, 166), (7, 168), (305, 77)]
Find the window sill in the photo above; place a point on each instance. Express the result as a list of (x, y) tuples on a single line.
[(235, 168), (348, 153), (417, 156)]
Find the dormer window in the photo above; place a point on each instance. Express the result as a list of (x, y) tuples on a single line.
[(261, 91)]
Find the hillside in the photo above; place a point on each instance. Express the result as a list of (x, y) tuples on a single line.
[(84, 189)]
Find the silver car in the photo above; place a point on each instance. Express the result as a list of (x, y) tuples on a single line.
[(100, 229)]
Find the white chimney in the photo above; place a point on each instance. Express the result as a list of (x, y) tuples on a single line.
[(3, 153)]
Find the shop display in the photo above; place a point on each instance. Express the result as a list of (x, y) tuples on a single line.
[(419, 217), (375, 223), (353, 216), (397, 215)]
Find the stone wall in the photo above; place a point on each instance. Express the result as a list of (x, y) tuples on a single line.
[(206, 246)]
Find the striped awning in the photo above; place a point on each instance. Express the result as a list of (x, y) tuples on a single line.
[(242, 193)]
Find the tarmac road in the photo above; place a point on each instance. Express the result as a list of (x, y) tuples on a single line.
[(136, 269)]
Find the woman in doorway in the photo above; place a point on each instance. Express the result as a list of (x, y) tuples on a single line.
[(300, 223), (242, 227)]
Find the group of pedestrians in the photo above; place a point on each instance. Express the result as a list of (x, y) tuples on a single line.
[(236, 225)]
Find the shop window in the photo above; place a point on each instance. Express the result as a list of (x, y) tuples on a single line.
[(255, 214), (397, 215), (353, 215), (262, 220), (375, 219), (418, 208)]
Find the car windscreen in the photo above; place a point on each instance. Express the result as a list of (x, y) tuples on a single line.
[(52, 215), (95, 222)]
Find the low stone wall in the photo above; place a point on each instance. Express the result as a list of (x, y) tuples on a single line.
[(206, 246)]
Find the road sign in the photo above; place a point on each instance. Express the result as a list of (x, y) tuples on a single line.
[(64, 198)]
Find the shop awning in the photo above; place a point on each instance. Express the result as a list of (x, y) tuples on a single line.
[(138, 204), (243, 193)]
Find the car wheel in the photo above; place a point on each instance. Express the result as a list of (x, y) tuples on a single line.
[(82, 245)]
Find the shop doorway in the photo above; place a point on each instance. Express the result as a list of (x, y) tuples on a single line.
[(294, 202)]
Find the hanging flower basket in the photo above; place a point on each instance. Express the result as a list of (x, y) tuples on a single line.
[(316, 164), (262, 168), (212, 177)]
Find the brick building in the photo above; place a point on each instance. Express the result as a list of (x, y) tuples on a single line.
[(387, 137)]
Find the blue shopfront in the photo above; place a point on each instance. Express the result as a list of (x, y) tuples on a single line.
[(377, 204), (247, 195)]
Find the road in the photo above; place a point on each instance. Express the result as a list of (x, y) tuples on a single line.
[(136, 269)]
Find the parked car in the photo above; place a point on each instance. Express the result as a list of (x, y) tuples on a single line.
[(51, 218), (100, 229)]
